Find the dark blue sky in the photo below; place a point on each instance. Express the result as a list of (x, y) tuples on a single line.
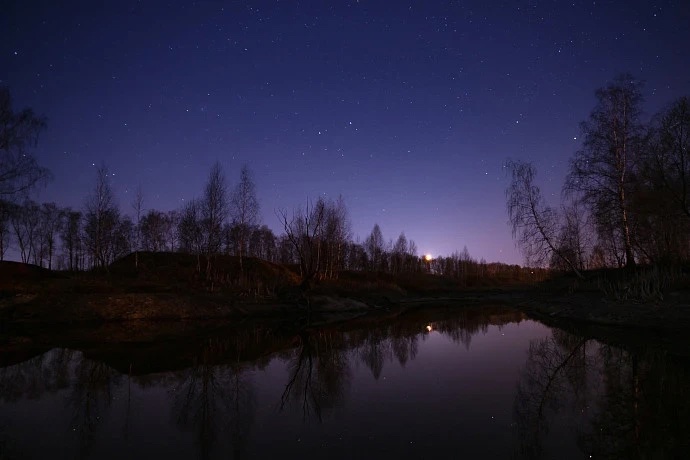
[(407, 109)]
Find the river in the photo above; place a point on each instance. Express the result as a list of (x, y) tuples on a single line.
[(445, 383)]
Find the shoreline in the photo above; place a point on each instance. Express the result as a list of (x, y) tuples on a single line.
[(629, 327), (57, 307)]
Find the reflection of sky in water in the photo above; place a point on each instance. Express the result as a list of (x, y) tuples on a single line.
[(447, 400)]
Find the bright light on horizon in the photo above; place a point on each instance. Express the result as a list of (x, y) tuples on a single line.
[(428, 257)]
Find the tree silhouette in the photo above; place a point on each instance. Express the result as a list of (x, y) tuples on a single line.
[(604, 170), (374, 245), (214, 212), (303, 230), (101, 219), (534, 225), (19, 132), (244, 210)]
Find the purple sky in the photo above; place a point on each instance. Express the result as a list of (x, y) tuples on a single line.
[(407, 109)]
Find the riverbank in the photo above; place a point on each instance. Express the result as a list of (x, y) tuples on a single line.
[(168, 287)]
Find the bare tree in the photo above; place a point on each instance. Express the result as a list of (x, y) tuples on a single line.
[(262, 244), (154, 231), (671, 152), (245, 210), (100, 220), (190, 230), (399, 254), (51, 224), (302, 230), (25, 222), (172, 235), (374, 244), (662, 192), (214, 211), (603, 170), (356, 258), (19, 171), (533, 224), (334, 235), (122, 238), (138, 206), (72, 239), (572, 238)]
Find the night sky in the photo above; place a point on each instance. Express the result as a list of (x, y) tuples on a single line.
[(407, 109)]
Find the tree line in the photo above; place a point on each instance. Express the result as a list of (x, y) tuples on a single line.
[(626, 195), (317, 238), (224, 220)]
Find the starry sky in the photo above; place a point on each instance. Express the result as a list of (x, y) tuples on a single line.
[(408, 109)]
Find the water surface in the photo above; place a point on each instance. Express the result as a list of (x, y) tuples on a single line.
[(470, 383)]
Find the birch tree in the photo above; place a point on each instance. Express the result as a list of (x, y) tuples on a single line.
[(244, 210), (602, 172), (534, 225)]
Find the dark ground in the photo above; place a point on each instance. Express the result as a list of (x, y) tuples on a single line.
[(169, 287)]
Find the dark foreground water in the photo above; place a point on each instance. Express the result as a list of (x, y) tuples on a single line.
[(444, 384)]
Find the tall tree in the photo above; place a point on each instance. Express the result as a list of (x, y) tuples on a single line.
[(262, 244), (214, 212), (101, 218), (244, 210), (399, 255), (138, 206), (534, 224), (123, 236), (19, 170), (51, 223), (190, 230), (172, 235), (334, 235), (603, 170), (25, 221), (662, 196), (154, 229), (670, 152), (572, 238), (303, 232), (71, 239), (374, 244), (5, 232)]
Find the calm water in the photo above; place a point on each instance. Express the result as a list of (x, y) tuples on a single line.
[(462, 384)]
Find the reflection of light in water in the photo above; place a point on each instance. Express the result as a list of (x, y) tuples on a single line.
[(429, 328)]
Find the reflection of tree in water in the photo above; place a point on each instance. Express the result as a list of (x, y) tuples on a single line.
[(627, 405), (405, 346), (554, 366), (318, 373), (90, 386), (375, 351), (48, 372), (319, 368), (643, 411), (90, 398), (462, 328), (211, 399)]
